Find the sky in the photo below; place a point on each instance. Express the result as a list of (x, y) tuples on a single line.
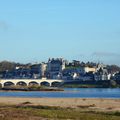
[(35, 30)]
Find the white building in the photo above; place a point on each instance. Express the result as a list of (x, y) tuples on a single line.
[(89, 69), (56, 64), (43, 69)]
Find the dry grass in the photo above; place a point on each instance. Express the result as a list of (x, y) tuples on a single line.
[(86, 106), (26, 111)]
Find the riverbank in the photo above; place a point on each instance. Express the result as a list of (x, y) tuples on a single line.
[(30, 88), (97, 104)]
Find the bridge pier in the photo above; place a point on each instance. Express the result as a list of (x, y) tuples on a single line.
[(15, 84), (50, 84), (27, 84), (2, 85)]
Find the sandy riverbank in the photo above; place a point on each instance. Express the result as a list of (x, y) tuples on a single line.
[(102, 104)]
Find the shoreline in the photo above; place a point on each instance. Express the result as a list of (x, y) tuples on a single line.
[(31, 89), (94, 103)]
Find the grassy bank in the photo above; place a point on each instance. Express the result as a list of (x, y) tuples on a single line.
[(81, 86), (92, 84), (30, 112)]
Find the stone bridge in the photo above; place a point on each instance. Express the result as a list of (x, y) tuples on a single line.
[(27, 82)]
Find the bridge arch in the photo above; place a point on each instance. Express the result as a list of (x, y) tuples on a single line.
[(21, 83), (45, 83), (55, 84), (33, 83), (9, 83)]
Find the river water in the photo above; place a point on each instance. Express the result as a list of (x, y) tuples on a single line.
[(68, 93)]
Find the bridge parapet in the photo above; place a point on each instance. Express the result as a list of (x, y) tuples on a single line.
[(28, 81)]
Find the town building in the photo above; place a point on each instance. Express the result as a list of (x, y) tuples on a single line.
[(117, 76), (101, 74), (55, 66)]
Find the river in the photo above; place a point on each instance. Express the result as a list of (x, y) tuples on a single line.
[(68, 93)]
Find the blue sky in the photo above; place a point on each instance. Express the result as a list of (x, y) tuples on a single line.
[(34, 30)]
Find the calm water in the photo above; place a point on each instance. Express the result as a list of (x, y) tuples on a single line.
[(70, 93)]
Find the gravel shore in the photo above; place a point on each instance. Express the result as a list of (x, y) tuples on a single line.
[(102, 104)]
